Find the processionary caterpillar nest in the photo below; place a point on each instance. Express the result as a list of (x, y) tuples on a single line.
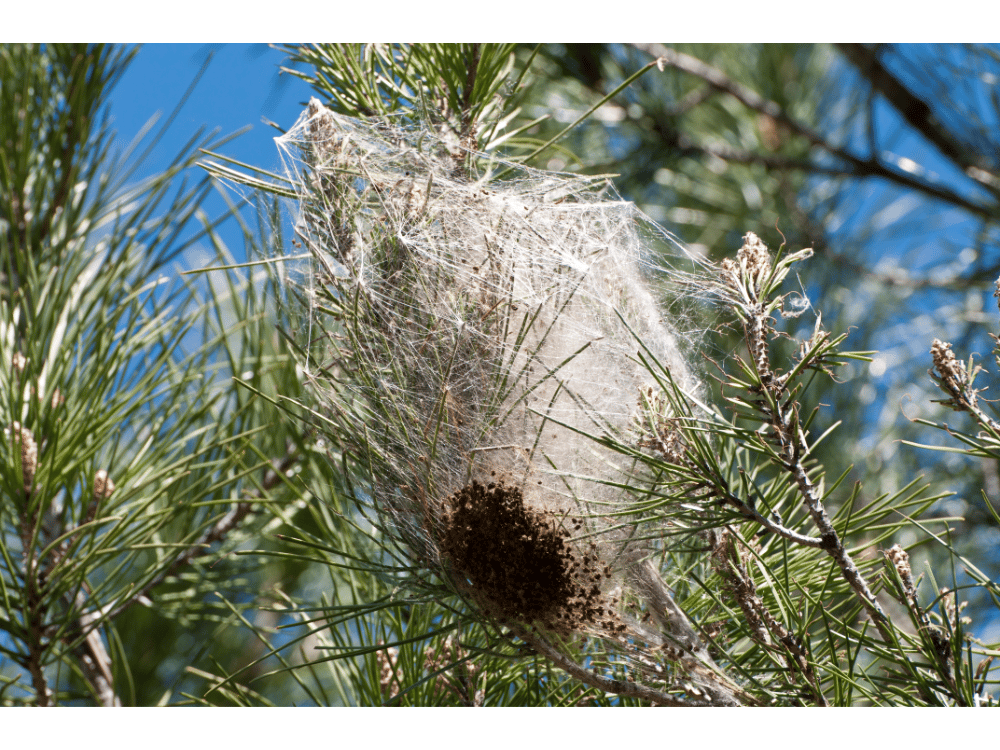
[(472, 340)]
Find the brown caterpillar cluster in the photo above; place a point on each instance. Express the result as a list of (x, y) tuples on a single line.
[(522, 564)]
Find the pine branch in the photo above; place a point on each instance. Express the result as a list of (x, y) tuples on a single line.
[(751, 279)]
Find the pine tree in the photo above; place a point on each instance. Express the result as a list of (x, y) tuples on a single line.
[(479, 432)]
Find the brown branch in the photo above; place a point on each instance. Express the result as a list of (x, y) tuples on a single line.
[(790, 438), (832, 543), (468, 124), (751, 513), (913, 109), (691, 100), (35, 621), (34, 612), (940, 645), (858, 167), (787, 436), (42, 694), (721, 82), (35, 636), (608, 685)]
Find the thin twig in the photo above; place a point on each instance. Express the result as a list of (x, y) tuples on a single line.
[(752, 514), (94, 657), (468, 135), (760, 619), (608, 685), (691, 653)]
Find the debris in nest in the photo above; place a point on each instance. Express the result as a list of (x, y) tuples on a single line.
[(522, 563)]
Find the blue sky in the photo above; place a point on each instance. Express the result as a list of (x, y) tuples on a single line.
[(240, 86)]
